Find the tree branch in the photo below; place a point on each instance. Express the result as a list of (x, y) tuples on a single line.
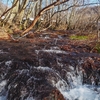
[(9, 9), (58, 2), (73, 6)]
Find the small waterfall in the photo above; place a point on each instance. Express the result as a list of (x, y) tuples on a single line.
[(74, 87), (78, 90), (51, 51), (49, 69)]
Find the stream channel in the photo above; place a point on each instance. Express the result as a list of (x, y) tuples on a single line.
[(34, 69)]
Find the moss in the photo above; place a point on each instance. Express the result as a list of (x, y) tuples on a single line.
[(97, 47), (80, 37)]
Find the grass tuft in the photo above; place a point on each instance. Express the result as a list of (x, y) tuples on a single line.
[(97, 47), (80, 37)]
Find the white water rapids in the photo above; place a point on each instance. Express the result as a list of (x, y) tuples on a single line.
[(81, 92), (3, 93), (75, 90)]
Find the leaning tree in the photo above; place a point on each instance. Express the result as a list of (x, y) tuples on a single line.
[(52, 5), (17, 12)]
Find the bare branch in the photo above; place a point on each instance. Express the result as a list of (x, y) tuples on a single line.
[(73, 6), (9, 9), (58, 2)]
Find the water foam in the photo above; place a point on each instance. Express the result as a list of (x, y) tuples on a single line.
[(81, 93), (77, 90), (3, 92), (52, 51)]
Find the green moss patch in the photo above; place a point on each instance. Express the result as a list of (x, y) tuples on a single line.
[(80, 37), (97, 47)]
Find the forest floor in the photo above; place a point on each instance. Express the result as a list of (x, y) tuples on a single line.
[(65, 40), (60, 43)]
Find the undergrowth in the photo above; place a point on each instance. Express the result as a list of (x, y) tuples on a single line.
[(97, 47), (80, 37)]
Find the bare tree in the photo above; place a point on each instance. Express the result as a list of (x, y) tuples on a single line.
[(58, 2)]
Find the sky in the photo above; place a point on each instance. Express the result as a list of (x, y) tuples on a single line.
[(9, 3), (93, 1), (5, 2)]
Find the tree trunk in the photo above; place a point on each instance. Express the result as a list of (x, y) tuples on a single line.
[(15, 3), (58, 2)]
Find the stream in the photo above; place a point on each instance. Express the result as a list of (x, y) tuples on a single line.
[(33, 71)]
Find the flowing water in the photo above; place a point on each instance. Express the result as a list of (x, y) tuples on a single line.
[(72, 89), (54, 70)]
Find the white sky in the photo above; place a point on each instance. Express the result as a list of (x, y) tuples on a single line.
[(9, 3)]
